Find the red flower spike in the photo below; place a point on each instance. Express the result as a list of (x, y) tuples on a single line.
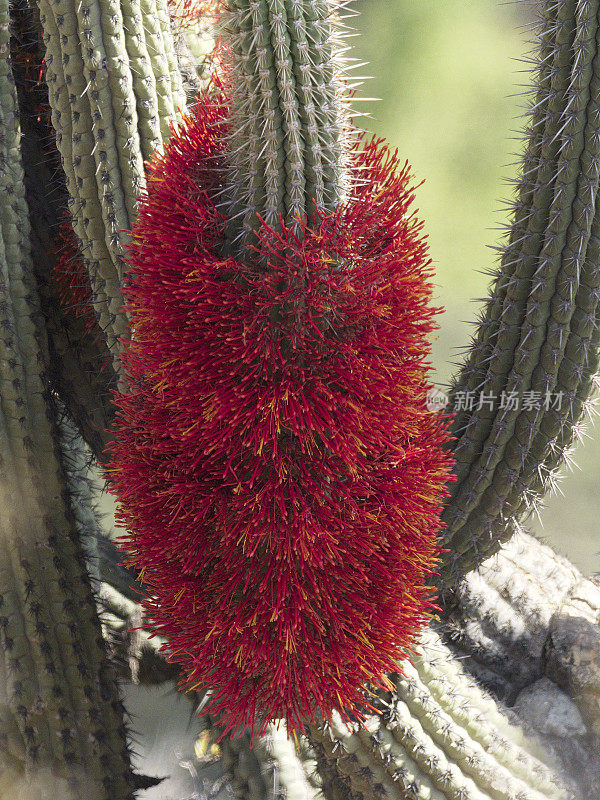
[(277, 470)]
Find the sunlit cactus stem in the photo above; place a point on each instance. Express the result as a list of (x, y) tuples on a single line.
[(288, 115), (113, 86)]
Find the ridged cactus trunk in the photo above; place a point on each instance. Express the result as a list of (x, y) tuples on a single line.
[(288, 118), (531, 368), (265, 203), (438, 736), (61, 714), (114, 88)]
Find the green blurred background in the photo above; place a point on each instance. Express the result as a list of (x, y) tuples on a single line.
[(450, 82)]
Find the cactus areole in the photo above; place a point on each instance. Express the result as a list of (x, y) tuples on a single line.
[(279, 475)]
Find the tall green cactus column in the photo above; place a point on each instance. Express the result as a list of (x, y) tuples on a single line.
[(114, 86), (62, 730), (532, 364), (287, 115)]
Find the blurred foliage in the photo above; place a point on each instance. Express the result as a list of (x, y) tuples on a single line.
[(451, 79)]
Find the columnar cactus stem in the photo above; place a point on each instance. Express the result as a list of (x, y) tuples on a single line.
[(80, 365), (113, 86), (270, 769), (287, 113), (539, 333), (439, 738), (61, 703)]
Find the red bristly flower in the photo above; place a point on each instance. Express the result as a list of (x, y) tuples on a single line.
[(71, 278), (276, 467)]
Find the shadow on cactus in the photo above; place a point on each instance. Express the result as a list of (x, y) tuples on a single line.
[(276, 467)]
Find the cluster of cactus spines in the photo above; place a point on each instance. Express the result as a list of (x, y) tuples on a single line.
[(288, 114), (539, 331), (61, 694), (438, 738), (114, 86)]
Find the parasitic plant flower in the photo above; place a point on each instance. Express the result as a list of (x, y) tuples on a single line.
[(276, 467), (71, 279)]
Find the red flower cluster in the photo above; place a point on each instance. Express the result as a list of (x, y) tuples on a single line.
[(191, 13), (71, 279), (277, 470)]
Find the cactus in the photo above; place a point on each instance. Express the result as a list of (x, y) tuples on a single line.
[(114, 87), (438, 736), (539, 331), (80, 367), (287, 115), (55, 674), (114, 84), (270, 769)]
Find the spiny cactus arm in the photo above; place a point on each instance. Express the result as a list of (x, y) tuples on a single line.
[(551, 62), (270, 768), (99, 76), (80, 367), (438, 737), (61, 691), (538, 332), (578, 371), (174, 92), (287, 113), (156, 85), (80, 364), (143, 50)]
